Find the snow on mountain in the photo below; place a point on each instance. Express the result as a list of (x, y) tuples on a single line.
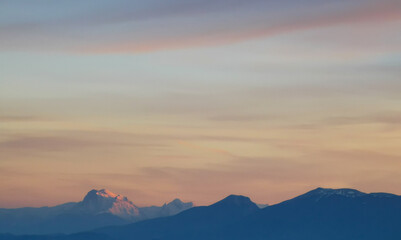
[(168, 209), (105, 201), (346, 192), (261, 205), (174, 207), (320, 193), (97, 209)]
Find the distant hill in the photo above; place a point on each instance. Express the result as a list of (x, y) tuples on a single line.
[(330, 214), (188, 223), (98, 208)]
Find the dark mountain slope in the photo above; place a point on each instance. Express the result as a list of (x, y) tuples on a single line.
[(330, 214), (188, 223)]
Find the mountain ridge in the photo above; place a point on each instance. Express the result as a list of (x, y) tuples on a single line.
[(98, 208), (330, 214)]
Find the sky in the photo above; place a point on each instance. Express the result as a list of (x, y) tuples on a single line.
[(198, 99)]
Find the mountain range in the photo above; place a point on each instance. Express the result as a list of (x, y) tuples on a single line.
[(330, 214), (98, 208)]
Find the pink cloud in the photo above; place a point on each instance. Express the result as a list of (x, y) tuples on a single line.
[(373, 13)]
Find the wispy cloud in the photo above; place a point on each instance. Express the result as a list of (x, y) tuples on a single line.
[(17, 118), (74, 140), (134, 27), (242, 118), (45, 144), (388, 118)]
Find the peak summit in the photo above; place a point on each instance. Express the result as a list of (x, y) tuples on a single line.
[(179, 204), (176, 201), (104, 193), (174, 207), (346, 192), (237, 201), (105, 201), (322, 193)]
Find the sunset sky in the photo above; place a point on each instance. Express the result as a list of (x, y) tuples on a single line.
[(198, 99)]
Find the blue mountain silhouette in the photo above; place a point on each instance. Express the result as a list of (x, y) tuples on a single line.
[(329, 214)]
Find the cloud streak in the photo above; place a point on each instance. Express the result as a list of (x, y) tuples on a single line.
[(154, 27), (12, 118), (388, 118)]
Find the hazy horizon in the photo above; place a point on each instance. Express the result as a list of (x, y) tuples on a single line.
[(198, 99)]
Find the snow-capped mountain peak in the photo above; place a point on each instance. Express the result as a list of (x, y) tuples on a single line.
[(175, 207), (105, 201), (323, 193), (346, 192), (106, 193)]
